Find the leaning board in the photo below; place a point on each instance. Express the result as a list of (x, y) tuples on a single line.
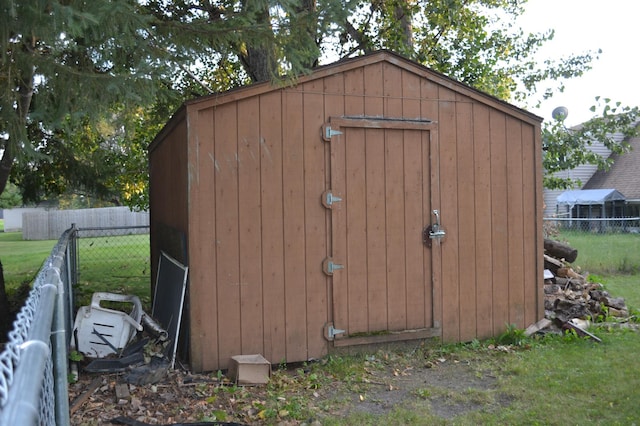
[(168, 298)]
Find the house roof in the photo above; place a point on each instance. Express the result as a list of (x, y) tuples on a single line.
[(624, 174), (589, 196)]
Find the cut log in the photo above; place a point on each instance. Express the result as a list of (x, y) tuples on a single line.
[(540, 325), (552, 264), (560, 250), (570, 273)]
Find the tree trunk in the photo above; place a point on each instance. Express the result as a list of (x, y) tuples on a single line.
[(5, 315), (259, 58), (403, 16), (25, 96), (259, 62), (6, 162)]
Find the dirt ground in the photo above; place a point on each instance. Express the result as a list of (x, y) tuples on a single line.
[(296, 395)]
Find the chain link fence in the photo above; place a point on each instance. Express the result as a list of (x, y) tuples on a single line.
[(33, 365), (115, 260), (595, 225), (34, 362)]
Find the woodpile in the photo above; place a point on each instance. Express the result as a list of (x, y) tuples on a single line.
[(571, 301)]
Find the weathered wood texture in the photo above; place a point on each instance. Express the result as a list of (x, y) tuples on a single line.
[(410, 141)]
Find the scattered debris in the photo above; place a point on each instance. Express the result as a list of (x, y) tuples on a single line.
[(85, 395)]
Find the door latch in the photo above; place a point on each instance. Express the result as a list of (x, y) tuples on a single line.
[(433, 231)]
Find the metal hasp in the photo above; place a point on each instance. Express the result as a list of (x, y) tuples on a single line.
[(433, 231), (328, 199), (328, 267), (330, 332)]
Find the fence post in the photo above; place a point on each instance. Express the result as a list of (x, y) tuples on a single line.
[(60, 343)]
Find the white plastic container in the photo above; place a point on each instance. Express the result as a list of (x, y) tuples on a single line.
[(102, 331)]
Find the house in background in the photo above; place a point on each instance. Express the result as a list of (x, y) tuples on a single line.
[(594, 204), (581, 173), (624, 176)]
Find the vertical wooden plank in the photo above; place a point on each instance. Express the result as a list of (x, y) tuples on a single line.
[(415, 220), (356, 228), (428, 100), (430, 196), (315, 218), (272, 225), (392, 84), (226, 233), (539, 246), (466, 214), (294, 237), (376, 238), (410, 95), (373, 84), (449, 215), (376, 254), (356, 204), (433, 257), (482, 219), (354, 92), (250, 225), (395, 229), (515, 220), (499, 225), (202, 213), (529, 272), (394, 200)]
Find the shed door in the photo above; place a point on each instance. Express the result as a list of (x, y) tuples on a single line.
[(383, 184)]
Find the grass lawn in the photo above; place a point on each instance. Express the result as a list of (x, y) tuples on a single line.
[(614, 259), (110, 264), (20, 259)]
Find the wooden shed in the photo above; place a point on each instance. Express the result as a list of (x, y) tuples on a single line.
[(374, 200)]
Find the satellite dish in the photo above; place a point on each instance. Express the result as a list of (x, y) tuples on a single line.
[(560, 113)]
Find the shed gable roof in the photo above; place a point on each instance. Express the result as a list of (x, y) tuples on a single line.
[(342, 66), (361, 61)]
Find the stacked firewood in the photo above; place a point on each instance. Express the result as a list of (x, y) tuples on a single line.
[(571, 301)]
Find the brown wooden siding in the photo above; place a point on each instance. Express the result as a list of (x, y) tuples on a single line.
[(202, 219), (168, 171), (258, 232)]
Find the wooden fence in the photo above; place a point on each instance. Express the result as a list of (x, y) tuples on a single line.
[(49, 225)]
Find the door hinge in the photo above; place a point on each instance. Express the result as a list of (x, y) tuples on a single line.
[(328, 199), (328, 132), (329, 267), (330, 332)]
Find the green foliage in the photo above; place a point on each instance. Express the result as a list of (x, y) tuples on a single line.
[(76, 356), (475, 42), (10, 197), (512, 336), (565, 149)]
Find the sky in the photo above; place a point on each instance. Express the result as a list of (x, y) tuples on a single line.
[(582, 25)]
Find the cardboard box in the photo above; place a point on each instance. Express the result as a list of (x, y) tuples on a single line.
[(249, 370)]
